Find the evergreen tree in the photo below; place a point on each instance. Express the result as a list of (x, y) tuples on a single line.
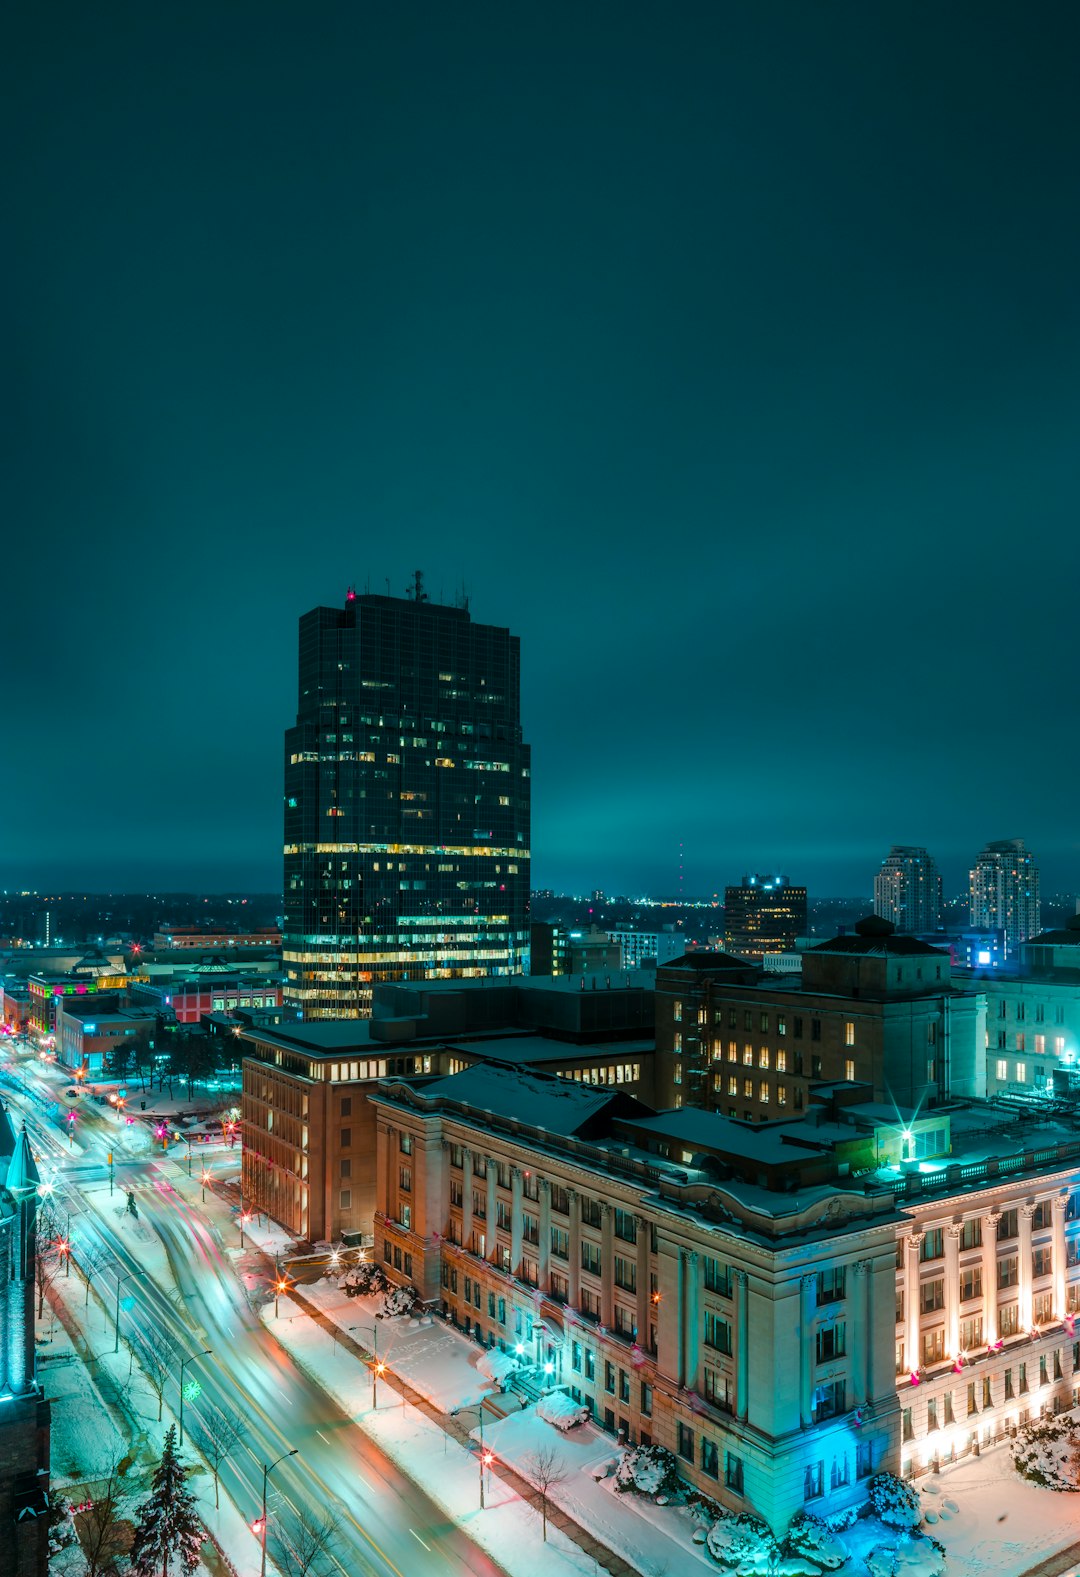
[(168, 1522)]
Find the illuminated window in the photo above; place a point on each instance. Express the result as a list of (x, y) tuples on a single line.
[(763, 1093), (849, 1069), (781, 1095), (748, 1056), (763, 1057), (849, 1033), (1021, 1071), (1002, 1070)]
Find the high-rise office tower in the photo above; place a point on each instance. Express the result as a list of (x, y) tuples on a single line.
[(407, 801), (907, 890), (763, 915), (1005, 892)]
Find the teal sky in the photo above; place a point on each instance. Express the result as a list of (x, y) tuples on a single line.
[(728, 353)]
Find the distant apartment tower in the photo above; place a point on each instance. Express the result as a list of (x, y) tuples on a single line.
[(642, 949), (763, 915), (907, 890), (407, 800), (1005, 892)]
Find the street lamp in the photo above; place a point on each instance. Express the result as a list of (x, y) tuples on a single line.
[(205, 1353), (119, 1283), (266, 1474), (205, 1179), (281, 1285), (486, 1457), (378, 1368)]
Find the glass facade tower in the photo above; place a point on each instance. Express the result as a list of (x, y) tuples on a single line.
[(407, 797)]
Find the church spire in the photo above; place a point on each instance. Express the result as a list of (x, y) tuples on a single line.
[(22, 1173), (7, 1133)]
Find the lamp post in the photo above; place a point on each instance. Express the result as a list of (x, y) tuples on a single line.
[(204, 1353), (280, 1285), (266, 1474), (119, 1283), (486, 1457), (377, 1368), (205, 1180)]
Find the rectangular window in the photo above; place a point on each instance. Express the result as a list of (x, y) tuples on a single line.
[(932, 1295), (717, 1276), (849, 1033), (971, 1333), (814, 1481), (717, 1332), (710, 1458), (830, 1342), (1008, 1319), (1008, 1226), (719, 1391), (733, 1472), (932, 1245), (971, 1284), (849, 1070), (933, 1346), (971, 1233), (686, 1443)]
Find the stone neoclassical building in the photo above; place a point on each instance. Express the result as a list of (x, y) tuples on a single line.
[(787, 1306)]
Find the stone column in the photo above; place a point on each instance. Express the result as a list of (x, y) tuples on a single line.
[(491, 1240), (873, 1286), (742, 1344), (391, 1175), (575, 1248), (607, 1266), (1024, 1289), (989, 1261), (641, 1316), (544, 1255), (860, 1331), (1059, 1259), (911, 1341), (466, 1198), (515, 1220), (807, 1341), (692, 1331), (952, 1290)]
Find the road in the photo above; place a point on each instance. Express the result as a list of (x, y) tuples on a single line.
[(389, 1525)]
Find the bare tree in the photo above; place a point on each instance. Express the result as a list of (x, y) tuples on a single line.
[(48, 1253), (157, 1356), (103, 1533), (545, 1470), (217, 1434), (305, 1542)]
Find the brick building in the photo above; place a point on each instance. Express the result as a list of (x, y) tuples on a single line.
[(874, 1008)]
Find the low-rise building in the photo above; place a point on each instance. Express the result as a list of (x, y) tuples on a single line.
[(789, 1307), (309, 1132)]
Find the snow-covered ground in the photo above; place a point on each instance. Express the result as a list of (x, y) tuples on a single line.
[(1002, 1524)]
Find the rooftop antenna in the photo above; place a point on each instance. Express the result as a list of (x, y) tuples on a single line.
[(416, 592)]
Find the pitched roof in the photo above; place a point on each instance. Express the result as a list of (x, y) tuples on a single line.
[(22, 1173), (7, 1133)]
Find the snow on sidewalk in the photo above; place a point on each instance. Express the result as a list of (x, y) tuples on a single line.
[(508, 1529), (1002, 1525)]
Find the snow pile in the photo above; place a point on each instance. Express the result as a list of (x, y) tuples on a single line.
[(1047, 1451), (648, 1470), (743, 1544), (561, 1410), (809, 1537), (497, 1367), (911, 1557), (894, 1501)]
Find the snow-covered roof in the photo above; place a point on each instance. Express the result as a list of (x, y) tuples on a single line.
[(542, 1100)]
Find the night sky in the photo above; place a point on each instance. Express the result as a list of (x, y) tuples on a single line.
[(728, 353)]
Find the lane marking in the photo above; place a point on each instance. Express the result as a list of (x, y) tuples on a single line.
[(419, 1540), (322, 1436)]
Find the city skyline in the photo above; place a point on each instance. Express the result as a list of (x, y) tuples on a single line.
[(636, 374)]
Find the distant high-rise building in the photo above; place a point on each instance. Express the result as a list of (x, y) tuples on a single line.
[(1005, 892), (407, 800), (763, 915), (907, 890)]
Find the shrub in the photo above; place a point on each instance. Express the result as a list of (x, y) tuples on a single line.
[(1045, 1451), (648, 1470), (742, 1541), (363, 1279), (841, 1521), (894, 1501), (809, 1536), (398, 1300)]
